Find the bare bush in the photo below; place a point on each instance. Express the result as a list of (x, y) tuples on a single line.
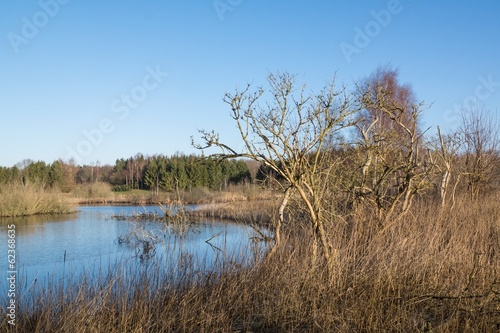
[(480, 132)]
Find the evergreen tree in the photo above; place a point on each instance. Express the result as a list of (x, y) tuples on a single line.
[(56, 173)]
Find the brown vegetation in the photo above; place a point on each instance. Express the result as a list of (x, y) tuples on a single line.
[(28, 199), (434, 271), (258, 212), (101, 193)]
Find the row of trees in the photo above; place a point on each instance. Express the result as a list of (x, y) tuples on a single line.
[(35, 172), (150, 173), (340, 150), (186, 172)]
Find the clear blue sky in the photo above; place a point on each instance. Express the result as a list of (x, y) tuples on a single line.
[(67, 66)]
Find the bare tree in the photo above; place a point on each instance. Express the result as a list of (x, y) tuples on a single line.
[(393, 169), (480, 131), (383, 99), (288, 131), (446, 148)]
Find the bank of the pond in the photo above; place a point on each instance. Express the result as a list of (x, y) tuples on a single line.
[(92, 244), (99, 193), (30, 199), (259, 212), (245, 203)]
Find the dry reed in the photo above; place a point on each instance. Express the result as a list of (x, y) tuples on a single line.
[(434, 271), (29, 199)]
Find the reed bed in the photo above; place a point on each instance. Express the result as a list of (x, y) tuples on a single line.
[(28, 199), (434, 271), (260, 212), (234, 193), (101, 193), (95, 193)]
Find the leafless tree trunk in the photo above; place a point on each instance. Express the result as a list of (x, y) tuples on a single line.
[(290, 136), (393, 170), (446, 150)]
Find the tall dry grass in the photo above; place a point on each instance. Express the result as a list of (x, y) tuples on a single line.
[(233, 193), (97, 192), (28, 199), (260, 212), (102, 193), (434, 271)]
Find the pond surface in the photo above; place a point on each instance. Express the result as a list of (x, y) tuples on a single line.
[(90, 243)]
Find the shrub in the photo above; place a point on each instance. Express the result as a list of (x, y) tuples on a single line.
[(98, 191), (18, 199), (121, 188)]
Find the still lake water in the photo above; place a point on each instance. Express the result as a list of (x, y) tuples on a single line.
[(52, 249)]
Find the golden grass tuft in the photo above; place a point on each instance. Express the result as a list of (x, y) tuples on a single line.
[(28, 199), (97, 192), (259, 212), (234, 193)]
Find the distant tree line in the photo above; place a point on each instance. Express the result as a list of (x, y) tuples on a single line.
[(153, 173), (179, 172), (51, 175)]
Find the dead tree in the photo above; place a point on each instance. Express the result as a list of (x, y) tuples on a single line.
[(446, 148), (393, 169), (288, 131), (480, 132)]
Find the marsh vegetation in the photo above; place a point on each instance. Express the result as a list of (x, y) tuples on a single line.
[(18, 199), (430, 272)]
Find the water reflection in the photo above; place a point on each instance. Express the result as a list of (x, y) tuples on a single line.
[(32, 223), (56, 249)]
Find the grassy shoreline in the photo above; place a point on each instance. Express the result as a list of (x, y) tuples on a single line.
[(31, 199), (259, 212), (199, 196)]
